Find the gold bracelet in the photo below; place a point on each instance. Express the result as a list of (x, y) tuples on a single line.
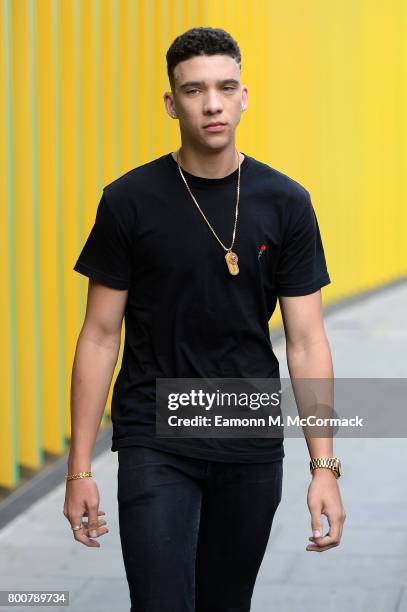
[(78, 475), (333, 463)]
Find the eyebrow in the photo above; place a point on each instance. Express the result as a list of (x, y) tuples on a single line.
[(200, 83)]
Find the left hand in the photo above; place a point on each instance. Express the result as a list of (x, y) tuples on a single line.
[(324, 498)]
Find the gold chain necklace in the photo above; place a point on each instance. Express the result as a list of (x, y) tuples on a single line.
[(230, 256)]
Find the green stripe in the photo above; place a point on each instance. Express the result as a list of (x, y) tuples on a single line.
[(77, 100), (59, 222), (38, 358), (96, 40), (116, 78), (11, 231), (132, 25), (150, 68)]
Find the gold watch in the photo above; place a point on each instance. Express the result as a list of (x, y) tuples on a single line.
[(333, 463)]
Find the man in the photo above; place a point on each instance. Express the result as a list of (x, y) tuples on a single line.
[(194, 249)]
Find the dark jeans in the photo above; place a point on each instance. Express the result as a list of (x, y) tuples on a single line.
[(193, 532)]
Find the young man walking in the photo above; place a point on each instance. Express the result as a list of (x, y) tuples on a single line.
[(194, 249)]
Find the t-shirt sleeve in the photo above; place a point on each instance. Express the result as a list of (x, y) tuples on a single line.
[(302, 266), (106, 255)]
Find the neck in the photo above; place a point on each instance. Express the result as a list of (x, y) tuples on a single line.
[(213, 164)]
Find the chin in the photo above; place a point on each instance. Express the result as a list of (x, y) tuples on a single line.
[(220, 141)]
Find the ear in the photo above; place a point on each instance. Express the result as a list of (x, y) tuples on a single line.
[(166, 97)]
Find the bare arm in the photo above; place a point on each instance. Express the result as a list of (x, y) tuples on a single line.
[(308, 353), (308, 357), (94, 362)]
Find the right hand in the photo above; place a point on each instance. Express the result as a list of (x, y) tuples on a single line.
[(82, 499)]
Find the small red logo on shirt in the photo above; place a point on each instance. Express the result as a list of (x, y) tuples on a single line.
[(261, 251)]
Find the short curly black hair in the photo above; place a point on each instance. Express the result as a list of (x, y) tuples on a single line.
[(200, 41)]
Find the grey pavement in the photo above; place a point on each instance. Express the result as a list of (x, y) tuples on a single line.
[(367, 572)]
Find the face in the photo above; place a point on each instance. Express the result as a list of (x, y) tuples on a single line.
[(207, 90)]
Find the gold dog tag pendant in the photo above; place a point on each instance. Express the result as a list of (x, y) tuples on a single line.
[(231, 260)]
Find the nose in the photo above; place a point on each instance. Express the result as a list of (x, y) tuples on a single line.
[(212, 103)]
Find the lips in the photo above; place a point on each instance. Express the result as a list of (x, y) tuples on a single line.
[(217, 127), (214, 124)]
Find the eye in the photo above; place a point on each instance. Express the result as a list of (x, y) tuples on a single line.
[(226, 87)]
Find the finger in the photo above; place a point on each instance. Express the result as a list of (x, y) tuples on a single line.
[(93, 521), (326, 540), (316, 523), (100, 531), (100, 526), (80, 537), (99, 512), (100, 523), (333, 535), (314, 548), (75, 520), (86, 528), (79, 534)]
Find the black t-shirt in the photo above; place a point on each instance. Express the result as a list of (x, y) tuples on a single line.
[(186, 315)]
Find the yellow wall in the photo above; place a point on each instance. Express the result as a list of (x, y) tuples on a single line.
[(81, 86)]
